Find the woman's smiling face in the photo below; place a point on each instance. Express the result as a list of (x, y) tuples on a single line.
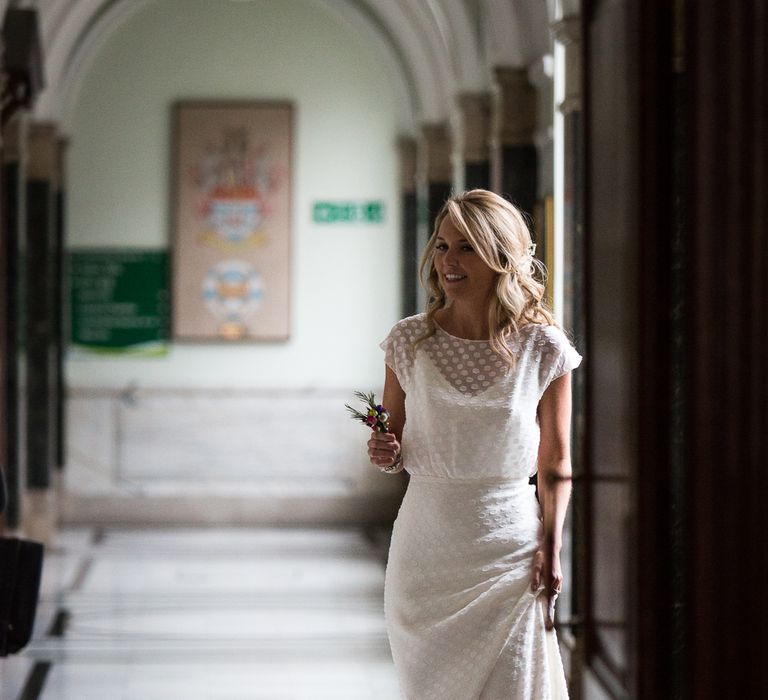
[(460, 270)]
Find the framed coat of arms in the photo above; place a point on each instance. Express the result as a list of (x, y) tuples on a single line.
[(231, 221)]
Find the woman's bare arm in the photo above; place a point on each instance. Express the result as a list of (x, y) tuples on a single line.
[(554, 480), (554, 459)]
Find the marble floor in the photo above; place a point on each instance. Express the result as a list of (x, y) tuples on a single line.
[(209, 614)]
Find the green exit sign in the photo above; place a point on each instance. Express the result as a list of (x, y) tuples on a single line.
[(348, 212)]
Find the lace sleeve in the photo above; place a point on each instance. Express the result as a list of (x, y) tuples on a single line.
[(558, 356), (398, 351)]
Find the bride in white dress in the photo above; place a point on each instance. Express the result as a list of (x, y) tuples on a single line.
[(478, 390)]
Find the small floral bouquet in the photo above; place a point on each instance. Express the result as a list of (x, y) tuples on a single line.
[(376, 417)]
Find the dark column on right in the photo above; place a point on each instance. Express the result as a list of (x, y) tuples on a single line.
[(676, 176)]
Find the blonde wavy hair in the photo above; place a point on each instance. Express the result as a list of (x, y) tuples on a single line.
[(499, 235)]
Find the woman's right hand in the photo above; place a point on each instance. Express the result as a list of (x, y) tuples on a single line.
[(383, 449)]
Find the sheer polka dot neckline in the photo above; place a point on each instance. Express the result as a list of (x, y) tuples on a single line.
[(469, 366), (440, 329)]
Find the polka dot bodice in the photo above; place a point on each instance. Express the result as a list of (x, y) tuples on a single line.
[(469, 366), (469, 414)]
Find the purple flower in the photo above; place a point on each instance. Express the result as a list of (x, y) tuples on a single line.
[(375, 415)]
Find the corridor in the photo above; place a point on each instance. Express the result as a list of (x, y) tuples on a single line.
[(210, 614), (213, 212)]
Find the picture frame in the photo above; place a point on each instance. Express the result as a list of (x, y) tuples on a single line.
[(549, 246), (544, 236), (231, 221)]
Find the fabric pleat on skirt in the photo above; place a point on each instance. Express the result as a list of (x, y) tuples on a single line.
[(462, 619)]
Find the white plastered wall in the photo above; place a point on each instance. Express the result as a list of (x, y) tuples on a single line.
[(347, 113), (260, 427)]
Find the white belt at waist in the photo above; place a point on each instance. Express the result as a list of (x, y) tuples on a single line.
[(472, 480)]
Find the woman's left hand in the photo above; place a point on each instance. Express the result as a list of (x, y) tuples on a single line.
[(547, 572)]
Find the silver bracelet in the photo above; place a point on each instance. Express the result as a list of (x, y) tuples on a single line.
[(394, 467)]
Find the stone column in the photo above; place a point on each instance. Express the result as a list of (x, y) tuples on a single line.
[(42, 181), (60, 322), (568, 32), (540, 75), (13, 282), (435, 179), (408, 154), (514, 166), (475, 111), (436, 167)]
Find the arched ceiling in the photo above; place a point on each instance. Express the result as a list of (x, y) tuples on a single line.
[(434, 49)]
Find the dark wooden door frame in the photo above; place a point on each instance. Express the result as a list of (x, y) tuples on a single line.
[(727, 463), (696, 137)]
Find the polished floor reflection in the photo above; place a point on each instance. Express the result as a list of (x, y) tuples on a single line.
[(213, 614)]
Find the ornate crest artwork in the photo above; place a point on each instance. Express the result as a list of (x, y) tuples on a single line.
[(231, 221)]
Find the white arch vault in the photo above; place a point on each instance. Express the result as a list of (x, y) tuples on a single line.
[(434, 49)]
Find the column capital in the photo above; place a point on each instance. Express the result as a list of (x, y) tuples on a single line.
[(42, 151), (514, 111), (408, 153), (510, 77), (436, 152), (473, 101), (568, 30), (475, 108)]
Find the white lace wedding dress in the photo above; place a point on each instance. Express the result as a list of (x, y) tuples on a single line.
[(462, 620)]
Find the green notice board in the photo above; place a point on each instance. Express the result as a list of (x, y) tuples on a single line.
[(119, 300)]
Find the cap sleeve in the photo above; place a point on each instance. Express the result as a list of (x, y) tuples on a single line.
[(398, 350), (558, 356)]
